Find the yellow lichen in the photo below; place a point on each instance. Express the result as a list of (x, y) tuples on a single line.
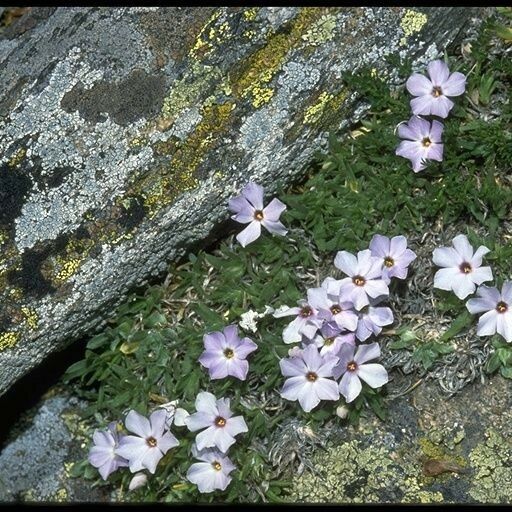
[(250, 14), (202, 47), (31, 317), (17, 158), (72, 259), (261, 67), (411, 22), (314, 112), (9, 339), (61, 494)]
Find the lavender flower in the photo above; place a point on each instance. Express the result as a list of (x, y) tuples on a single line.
[(151, 442), (331, 338), (306, 322), (393, 255), (333, 307), (423, 142), (433, 94), (463, 270), (353, 368), (212, 472), (364, 279), (103, 454), (371, 321), (248, 208), (216, 417), (225, 353), (497, 307), (310, 378)]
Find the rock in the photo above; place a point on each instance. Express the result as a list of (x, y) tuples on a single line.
[(124, 131), (36, 465)]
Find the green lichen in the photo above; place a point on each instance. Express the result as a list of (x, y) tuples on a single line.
[(321, 31), (355, 473), (253, 78), (490, 460), (411, 22)]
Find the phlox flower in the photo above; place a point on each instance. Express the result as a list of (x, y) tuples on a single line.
[(103, 454), (364, 281), (497, 310), (372, 319), (310, 378), (462, 267), (212, 473), (422, 142), (216, 418), (151, 442), (393, 254), (306, 322), (225, 353), (332, 337), (432, 94), (353, 366), (248, 208)]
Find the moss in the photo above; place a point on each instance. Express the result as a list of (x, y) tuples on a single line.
[(490, 461), (9, 339), (411, 22)]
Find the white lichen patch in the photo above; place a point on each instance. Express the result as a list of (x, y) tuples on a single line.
[(100, 163)]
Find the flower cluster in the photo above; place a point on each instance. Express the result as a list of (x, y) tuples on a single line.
[(336, 319), (140, 446), (462, 272), (422, 138)]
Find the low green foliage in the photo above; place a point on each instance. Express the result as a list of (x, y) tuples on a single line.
[(358, 187)]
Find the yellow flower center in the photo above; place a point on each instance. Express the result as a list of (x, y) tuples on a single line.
[(229, 353), (216, 465), (335, 309), (501, 307), (358, 280), (426, 142), (305, 312), (465, 268), (220, 421), (311, 376), (388, 261), (328, 342), (437, 91), (352, 366), (151, 441), (258, 215)]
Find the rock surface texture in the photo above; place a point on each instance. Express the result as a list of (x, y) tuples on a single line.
[(123, 132)]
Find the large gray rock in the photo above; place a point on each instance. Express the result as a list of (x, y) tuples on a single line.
[(123, 132)]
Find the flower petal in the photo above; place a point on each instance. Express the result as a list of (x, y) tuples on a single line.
[(375, 375), (276, 228), (455, 85), (158, 420), (463, 285), (137, 424), (308, 399), (422, 105), (350, 386), (254, 194), (445, 277), (418, 85), (441, 106), (367, 353), (346, 262), (206, 403), (438, 72), (487, 323), (504, 326), (249, 234), (446, 257), (273, 210), (292, 387)]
